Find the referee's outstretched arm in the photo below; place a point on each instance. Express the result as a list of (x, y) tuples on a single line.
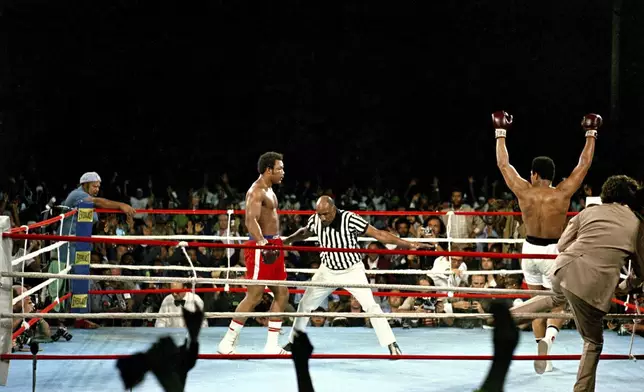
[(298, 236), (388, 238)]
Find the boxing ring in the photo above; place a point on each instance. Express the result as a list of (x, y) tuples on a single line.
[(435, 359)]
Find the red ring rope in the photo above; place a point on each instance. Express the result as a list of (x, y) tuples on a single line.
[(630, 306), (33, 321), (43, 223), (298, 291), (274, 247), (310, 212), (105, 357)]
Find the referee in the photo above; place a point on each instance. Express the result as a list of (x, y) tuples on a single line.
[(337, 228)]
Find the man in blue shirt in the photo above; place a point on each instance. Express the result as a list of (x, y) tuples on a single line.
[(88, 188), (90, 184)]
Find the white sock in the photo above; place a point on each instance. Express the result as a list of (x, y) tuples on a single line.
[(274, 328), (551, 335), (233, 330)]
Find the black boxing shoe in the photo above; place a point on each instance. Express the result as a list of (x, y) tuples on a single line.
[(394, 349), (288, 347)]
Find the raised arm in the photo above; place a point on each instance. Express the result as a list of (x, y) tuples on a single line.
[(502, 122), (591, 123), (253, 212)]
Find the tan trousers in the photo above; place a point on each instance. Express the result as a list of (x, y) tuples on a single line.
[(589, 324)]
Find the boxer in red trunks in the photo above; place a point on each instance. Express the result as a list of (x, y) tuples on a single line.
[(262, 222)]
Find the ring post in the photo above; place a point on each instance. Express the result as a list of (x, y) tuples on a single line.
[(83, 251), (5, 298)]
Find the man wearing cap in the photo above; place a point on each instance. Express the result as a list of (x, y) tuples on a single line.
[(88, 188), (90, 183)]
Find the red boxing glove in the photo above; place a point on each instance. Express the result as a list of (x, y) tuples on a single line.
[(270, 255), (502, 122), (591, 123)]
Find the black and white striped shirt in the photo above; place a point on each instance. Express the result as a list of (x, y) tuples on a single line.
[(343, 232)]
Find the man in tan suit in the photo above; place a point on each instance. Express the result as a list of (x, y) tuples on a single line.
[(593, 249)]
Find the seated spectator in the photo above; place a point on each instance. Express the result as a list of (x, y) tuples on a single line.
[(219, 258), (113, 303), (223, 301), (462, 226), (352, 306), (173, 303), (151, 303), (487, 264), (442, 266), (638, 328), (489, 231), (221, 229), (315, 264), (318, 321), (374, 261), (465, 305), (432, 230), (264, 306), (393, 304), (419, 305), (40, 330), (128, 260)]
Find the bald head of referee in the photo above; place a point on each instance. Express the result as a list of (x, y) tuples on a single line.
[(325, 208)]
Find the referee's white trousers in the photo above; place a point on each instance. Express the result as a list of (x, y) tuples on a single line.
[(313, 297)]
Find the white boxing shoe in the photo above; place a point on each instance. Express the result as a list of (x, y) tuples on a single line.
[(227, 347), (541, 365), (275, 350)]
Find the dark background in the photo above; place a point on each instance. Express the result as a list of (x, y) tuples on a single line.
[(346, 90)]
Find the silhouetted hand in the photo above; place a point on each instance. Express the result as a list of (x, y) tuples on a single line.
[(301, 348), (506, 338), (164, 359), (133, 369), (506, 334), (193, 321)]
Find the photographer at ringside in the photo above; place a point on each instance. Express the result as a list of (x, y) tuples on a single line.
[(421, 305), (433, 228)]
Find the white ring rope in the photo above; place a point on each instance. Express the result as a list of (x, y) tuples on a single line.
[(628, 274), (69, 247), (38, 252), (310, 239), (283, 283), (303, 270), (62, 223), (449, 214), (46, 283), (22, 280), (228, 255), (636, 321), (183, 245), (306, 314)]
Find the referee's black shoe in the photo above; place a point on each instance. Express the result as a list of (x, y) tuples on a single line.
[(394, 349)]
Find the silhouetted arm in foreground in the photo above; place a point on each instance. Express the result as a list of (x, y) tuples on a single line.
[(169, 363), (506, 338), (302, 350)]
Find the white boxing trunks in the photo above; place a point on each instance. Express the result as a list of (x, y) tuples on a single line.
[(537, 271)]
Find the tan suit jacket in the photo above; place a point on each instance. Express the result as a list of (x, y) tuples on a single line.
[(593, 249)]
